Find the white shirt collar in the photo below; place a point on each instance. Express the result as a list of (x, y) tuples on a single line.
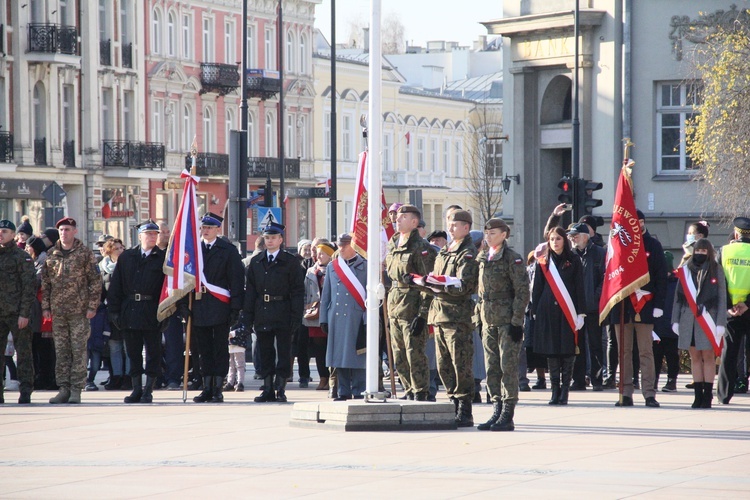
[(274, 254)]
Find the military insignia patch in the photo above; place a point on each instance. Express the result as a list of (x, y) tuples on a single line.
[(468, 256), (518, 261), (425, 252)]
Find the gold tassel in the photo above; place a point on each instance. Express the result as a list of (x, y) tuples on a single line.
[(638, 317), (578, 351)]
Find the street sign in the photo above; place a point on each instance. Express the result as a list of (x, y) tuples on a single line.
[(307, 192), (53, 193), (268, 214)]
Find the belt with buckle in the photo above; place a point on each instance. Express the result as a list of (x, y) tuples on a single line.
[(141, 298), (274, 298), (398, 284)]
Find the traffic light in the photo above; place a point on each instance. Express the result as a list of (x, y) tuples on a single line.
[(566, 190), (586, 201)]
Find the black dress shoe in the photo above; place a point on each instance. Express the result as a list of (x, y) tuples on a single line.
[(25, 398), (540, 384), (577, 387), (524, 388), (652, 402), (342, 398), (626, 401)]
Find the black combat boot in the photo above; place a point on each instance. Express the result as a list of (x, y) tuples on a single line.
[(465, 417), (115, 382), (567, 375), (218, 396), (207, 392), (455, 405), (506, 418), (281, 389), (708, 394), (421, 396), (268, 395), (24, 398), (497, 408), (148, 390), (554, 379), (135, 396), (698, 401)]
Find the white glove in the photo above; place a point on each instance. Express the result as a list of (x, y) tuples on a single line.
[(720, 330), (232, 333), (658, 313), (676, 328), (580, 321)]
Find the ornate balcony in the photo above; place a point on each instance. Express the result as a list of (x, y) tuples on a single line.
[(258, 167), (40, 151), (69, 154), (105, 52), (53, 38), (219, 78), (262, 83), (127, 55), (209, 164), (6, 147), (132, 154)]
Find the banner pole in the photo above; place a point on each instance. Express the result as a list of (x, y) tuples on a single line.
[(621, 349), (187, 351)]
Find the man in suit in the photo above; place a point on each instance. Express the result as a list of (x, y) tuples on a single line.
[(132, 300), (217, 307), (274, 303)]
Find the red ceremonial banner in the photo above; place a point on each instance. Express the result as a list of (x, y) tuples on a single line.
[(359, 221), (627, 267)]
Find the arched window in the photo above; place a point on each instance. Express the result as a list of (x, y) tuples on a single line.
[(156, 31), (229, 126), (171, 35), (269, 135), (289, 63), (208, 131), (303, 53), (187, 127), (302, 127)]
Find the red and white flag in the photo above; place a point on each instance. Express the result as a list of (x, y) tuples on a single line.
[(359, 221), (627, 267)]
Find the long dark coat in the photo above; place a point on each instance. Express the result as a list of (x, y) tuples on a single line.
[(222, 267), (552, 333), (132, 275), (284, 277)]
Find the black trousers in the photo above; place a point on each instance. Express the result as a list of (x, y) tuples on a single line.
[(737, 329), (213, 349), (300, 349), (275, 351), (590, 348), (666, 349), (134, 342), (43, 351)]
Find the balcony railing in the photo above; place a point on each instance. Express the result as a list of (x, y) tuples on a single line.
[(134, 154), (6, 147), (40, 151), (53, 38), (69, 154), (219, 78), (260, 166), (262, 83), (209, 164), (105, 52), (127, 55)]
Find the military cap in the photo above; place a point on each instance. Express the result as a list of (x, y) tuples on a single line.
[(741, 225), (345, 239), (327, 248), (409, 209), (148, 226), (579, 228), (461, 216), (496, 223), (274, 228), (210, 219), (394, 207), (66, 221), (103, 239), (6, 224), (437, 234)]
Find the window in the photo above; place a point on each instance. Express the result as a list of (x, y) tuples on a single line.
[(250, 135), (346, 138), (269, 135), (494, 156), (171, 35), (269, 60), (102, 21), (459, 158), (408, 150), (128, 114), (291, 137), (432, 166), (251, 47), (126, 35), (208, 40), (155, 32), (229, 38), (68, 118), (158, 121), (302, 145), (302, 54), (388, 151), (447, 156), (208, 131), (187, 127), (107, 114), (289, 52), (675, 105), (228, 127), (171, 127), (420, 154), (327, 136), (187, 37)]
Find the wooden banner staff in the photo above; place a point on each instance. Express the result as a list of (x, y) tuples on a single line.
[(621, 341), (187, 349)]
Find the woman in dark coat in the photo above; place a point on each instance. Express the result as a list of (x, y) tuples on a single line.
[(553, 335)]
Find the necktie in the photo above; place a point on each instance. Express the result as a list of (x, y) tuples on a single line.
[(206, 247), (143, 255), (270, 258)]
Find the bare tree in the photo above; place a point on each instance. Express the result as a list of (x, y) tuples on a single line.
[(483, 162), (392, 34)]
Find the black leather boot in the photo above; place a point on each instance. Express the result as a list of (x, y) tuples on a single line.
[(554, 378), (698, 389), (506, 418), (268, 395), (567, 375), (115, 382), (207, 392), (497, 408), (135, 396), (281, 389), (465, 417), (708, 394), (218, 396), (148, 390)]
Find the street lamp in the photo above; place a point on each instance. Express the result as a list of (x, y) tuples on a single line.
[(507, 179)]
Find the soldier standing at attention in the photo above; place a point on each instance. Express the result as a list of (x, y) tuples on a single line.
[(16, 298), (217, 308), (408, 253), (450, 314), (503, 296), (71, 292), (274, 304), (132, 301)]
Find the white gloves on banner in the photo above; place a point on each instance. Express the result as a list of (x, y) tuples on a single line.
[(580, 321), (658, 313), (676, 328)]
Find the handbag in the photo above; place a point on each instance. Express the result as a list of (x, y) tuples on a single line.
[(312, 312)]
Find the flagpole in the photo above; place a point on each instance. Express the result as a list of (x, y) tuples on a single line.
[(374, 287), (189, 328)]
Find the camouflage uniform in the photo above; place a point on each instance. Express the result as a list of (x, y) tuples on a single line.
[(406, 302), (450, 314), (71, 286), (16, 297), (503, 296)]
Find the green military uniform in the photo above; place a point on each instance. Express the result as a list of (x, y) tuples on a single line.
[(406, 302), (450, 314), (71, 286), (16, 298)]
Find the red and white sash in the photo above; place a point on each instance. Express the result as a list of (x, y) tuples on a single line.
[(220, 293), (350, 281), (561, 294), (704, 320)]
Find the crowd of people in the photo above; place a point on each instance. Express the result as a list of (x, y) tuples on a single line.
[(462, 306)]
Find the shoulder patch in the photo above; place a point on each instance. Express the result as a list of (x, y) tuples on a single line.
[(425, 252), (468, 256), (518, 261)]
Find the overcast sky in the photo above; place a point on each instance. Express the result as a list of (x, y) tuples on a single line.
[(424, 20)]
